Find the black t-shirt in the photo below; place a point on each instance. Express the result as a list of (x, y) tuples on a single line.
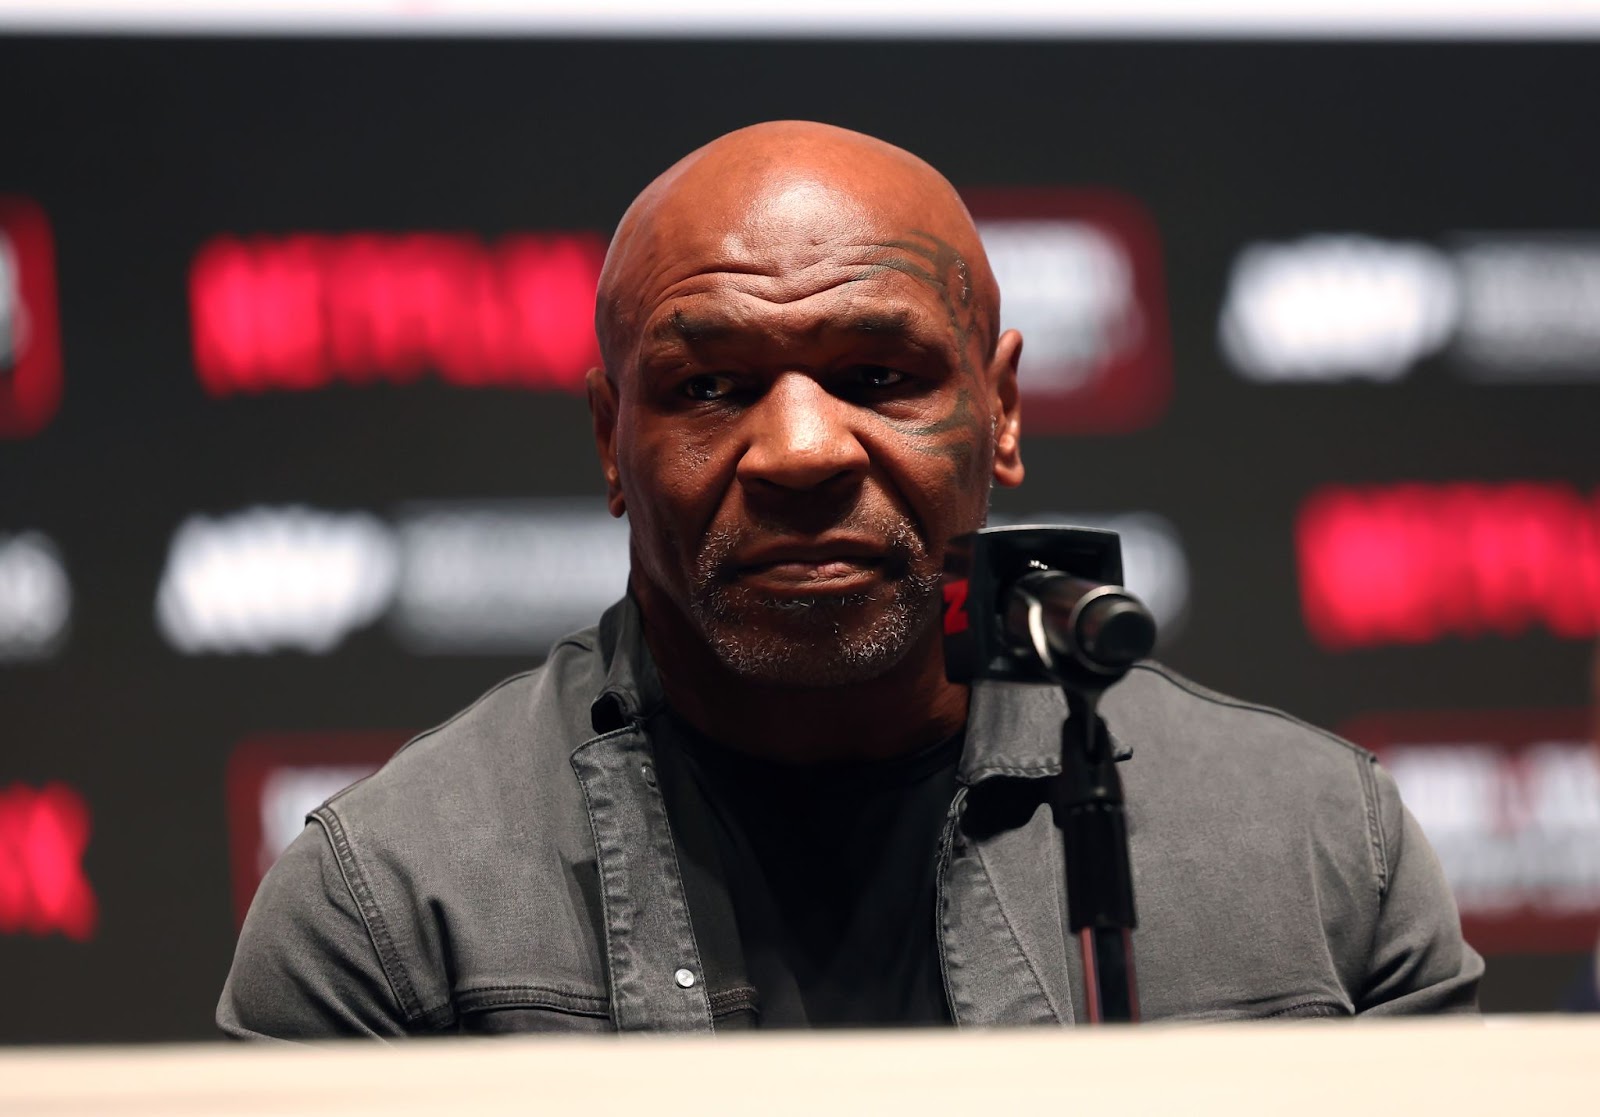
[(831, 873)]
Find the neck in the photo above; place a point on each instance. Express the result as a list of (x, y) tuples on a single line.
[(907, 708)]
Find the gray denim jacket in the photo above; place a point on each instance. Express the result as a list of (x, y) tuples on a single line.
[(515, 870)]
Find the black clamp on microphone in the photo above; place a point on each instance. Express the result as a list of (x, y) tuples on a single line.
[(1046, 605)]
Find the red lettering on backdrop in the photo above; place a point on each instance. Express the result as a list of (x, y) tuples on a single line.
[(30, 342), (1409, 564), (1507, 799), (43, 835), (299, 313)]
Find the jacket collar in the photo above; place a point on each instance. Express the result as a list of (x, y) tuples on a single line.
[(632, 689), (1013, 729)]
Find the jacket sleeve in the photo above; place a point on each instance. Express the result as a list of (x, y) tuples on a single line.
[(1419, 962), (306, 967)]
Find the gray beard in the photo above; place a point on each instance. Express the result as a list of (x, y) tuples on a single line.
[(806, 641)]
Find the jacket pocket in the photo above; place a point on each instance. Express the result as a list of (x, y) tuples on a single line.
[(515, 1009)]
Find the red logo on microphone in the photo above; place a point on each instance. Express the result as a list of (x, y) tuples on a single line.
[(955, 607), (43, 835), (30, 346)]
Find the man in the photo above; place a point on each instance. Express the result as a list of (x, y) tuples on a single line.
[(749, 796)]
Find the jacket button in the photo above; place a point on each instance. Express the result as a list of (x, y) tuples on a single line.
[(685, 978), (649, 774)]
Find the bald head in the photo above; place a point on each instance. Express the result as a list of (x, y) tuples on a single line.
[(766, 200)]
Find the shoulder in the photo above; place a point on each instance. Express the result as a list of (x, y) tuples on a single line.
[(1157, 707), (1215, 765), (523, 727), (497, 774), (456, 853)]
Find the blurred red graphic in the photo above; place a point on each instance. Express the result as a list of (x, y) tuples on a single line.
[(1510, 801), (43, 835), (275, 779), (30, 342), (1080, 275), (301, 312), (1412, 563)]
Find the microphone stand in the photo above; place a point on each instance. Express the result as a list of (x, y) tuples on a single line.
[(1089, 810), (1044, 604), (1050, 616)]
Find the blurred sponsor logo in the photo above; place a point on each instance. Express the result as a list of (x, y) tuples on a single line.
[(35, 597), (275, 780), (30, 344), (1080, 276), (274, 579), (1531, 308), (1510, 802), (1331, 307), (1497, 307), (505, 577), (301, 312), (1154, 565), (1409, 564), (492, 577), (43, 834)]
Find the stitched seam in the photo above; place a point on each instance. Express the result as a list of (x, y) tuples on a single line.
[(1211, 696), (377, 933), (1338, 1009), (532, 996), (660, 801), (594, 836), (726, 1002), (606, 736), (983, 864), (1028, 770), (530, 987), (1375, 836), (941, 896)]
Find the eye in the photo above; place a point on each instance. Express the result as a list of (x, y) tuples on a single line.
[(707, 387), (877, 376)]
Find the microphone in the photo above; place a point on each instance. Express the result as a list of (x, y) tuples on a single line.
[(1102, 627), (1041, 604)]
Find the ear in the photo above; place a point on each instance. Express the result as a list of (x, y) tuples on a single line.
[(603, 413), (1006, 406)]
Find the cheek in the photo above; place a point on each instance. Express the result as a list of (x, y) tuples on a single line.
[(946, 483), (673, 484)]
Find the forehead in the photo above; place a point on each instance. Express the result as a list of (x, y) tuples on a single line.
[(801, 259)]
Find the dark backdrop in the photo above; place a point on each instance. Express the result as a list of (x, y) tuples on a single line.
[(142, 150)]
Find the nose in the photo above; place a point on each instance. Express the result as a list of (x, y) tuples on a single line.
[(801, 436)]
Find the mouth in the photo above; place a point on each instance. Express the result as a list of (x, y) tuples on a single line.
[(814, 569)]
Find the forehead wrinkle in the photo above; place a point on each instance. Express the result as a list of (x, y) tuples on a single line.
[(762, 331)]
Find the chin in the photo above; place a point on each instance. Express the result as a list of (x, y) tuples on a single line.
[(820, 641)]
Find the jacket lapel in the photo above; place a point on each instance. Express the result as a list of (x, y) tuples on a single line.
[(657, 980), (1008, 956)]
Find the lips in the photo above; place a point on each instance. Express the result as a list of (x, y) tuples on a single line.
[(812, 567)]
